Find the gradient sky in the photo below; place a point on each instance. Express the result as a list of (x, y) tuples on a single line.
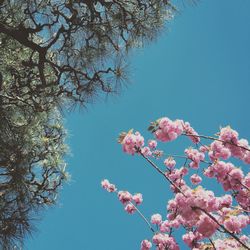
[(199, 71)]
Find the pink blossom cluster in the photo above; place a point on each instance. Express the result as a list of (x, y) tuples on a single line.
[(130, 201), (157, 153), (156, 219), (195, 179), (152, 144), (222, 243), (195, 156), (164, 241), (197, 210), (146, 151), (228, 135), (204, 148), (228, 244), (206, 227), (151, 150), (124, 197), (191, 239), (131, 142), (218, 150), (146, 245), (235, 223), (161, 240), (232, 179), (168, 130), (187, 209), (170, 162), (127, 199), (227, 174), (191, 210), (192, 134), (238, 148), (176, 176), (243, 198), (108, 186), (164, 227)]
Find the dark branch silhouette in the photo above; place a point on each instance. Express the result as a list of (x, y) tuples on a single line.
[(80, 44)]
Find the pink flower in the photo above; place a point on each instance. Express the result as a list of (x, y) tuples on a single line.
[(124, 197), (108, 186), (194, 155), (228, 135), (181, 209), (191, 238), (158, 238), (175, 223), (244, 220), (146, 151), (131, 142), (203, 149), (170, 162), (145, 245), (130, 208), (247, 157), (233, 224), (195, 179), (192, 134), (156, 219), (246, 180), (168, 130), (184, 171), (157, 153), (209, 172), (218, 150), (243, 198), (105, 183), (234, 145), (244, 238), (226, 201), (165, 226), (137, 198), (198, 210), (226, 244), (227, 174), (206, 226), (163, 241), (235, 178), (152, 144)]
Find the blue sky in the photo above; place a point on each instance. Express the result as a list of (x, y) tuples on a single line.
[(199, 71)]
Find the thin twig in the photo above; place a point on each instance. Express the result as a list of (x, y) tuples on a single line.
[(160, 171), (143, 217), (217, 139), (212, 243)]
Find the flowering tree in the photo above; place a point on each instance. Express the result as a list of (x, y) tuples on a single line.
[(194, 206)]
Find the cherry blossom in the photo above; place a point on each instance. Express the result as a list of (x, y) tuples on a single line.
[(200, 211)]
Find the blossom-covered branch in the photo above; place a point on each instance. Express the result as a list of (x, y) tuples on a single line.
[(194, 207)]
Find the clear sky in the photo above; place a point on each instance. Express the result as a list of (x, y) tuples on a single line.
[(198, 71)]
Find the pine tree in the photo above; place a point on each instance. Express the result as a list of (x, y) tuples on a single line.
[(79, 46)]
